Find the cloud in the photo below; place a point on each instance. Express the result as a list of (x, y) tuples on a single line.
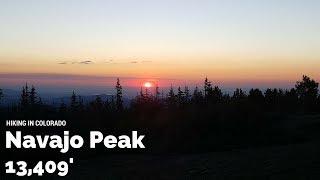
[(76, 62), (132, 61), (144, 61), (86, 62)]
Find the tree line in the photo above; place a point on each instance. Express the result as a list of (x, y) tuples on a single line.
[(204, 118), (303, 97)]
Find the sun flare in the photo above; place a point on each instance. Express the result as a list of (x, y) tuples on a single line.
[(147, 84)]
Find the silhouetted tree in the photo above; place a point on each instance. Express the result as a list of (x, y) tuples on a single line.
[(73, 103), (180, 96), (157, 92), (112, 104), (212, 94), (119, 101), (1, 94), (80, 104), (291, 100), (97, 104), (239, 95), (256, 96), (318, 103), (171, 98), (216, 95), (307, 90), (24, 97), (271, 98), (187, 94), (207, 88), (33, 96), (226, 98), (63, 107), (197, 96), (227, 122), (141, 93)]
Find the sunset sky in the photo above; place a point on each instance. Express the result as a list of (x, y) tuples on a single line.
[(236, 42)]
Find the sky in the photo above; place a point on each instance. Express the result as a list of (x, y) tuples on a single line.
[(232, 42)]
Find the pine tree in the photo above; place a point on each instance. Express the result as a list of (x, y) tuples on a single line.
[(207, 88), (256, 96), (33, 96), (186, 94), (239, 95), (1, 94), (141, 92), (171, 97), (291, 99), (80, 104), (119, 101), (112, 104), (216, 95), (180, 96), (197, 96), (63, 107), (307, 90), (97, 104), (146, 92), (24, 98), (73, 103), (157, 92), (27, 94)]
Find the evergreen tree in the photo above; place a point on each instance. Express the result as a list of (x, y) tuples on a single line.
[(24, 97), (157, 92), (40, 101), (146, 93), (197, 96), (97, 104), (171, 99), (239, 95), (273, 98), (73, 103), (270, 97), (80, 104), (187, 94), (112, 104), (318, 103), (33, 96), (226, 98), (216, 95), (119, 101), (290, 100), (180, 96), (307, 91), (207, 88), (256, 96), (63, 107), (1, 94), (141, 93)]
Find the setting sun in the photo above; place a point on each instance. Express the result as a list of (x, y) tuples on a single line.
[(147, 84)]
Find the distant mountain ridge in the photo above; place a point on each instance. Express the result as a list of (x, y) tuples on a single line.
[(12, 97)]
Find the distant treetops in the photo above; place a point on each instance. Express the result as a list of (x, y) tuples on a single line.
[(305, 94), (29, 97)]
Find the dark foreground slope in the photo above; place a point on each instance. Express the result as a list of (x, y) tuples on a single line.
[(291, 161), (295, 161), (299, 161)]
